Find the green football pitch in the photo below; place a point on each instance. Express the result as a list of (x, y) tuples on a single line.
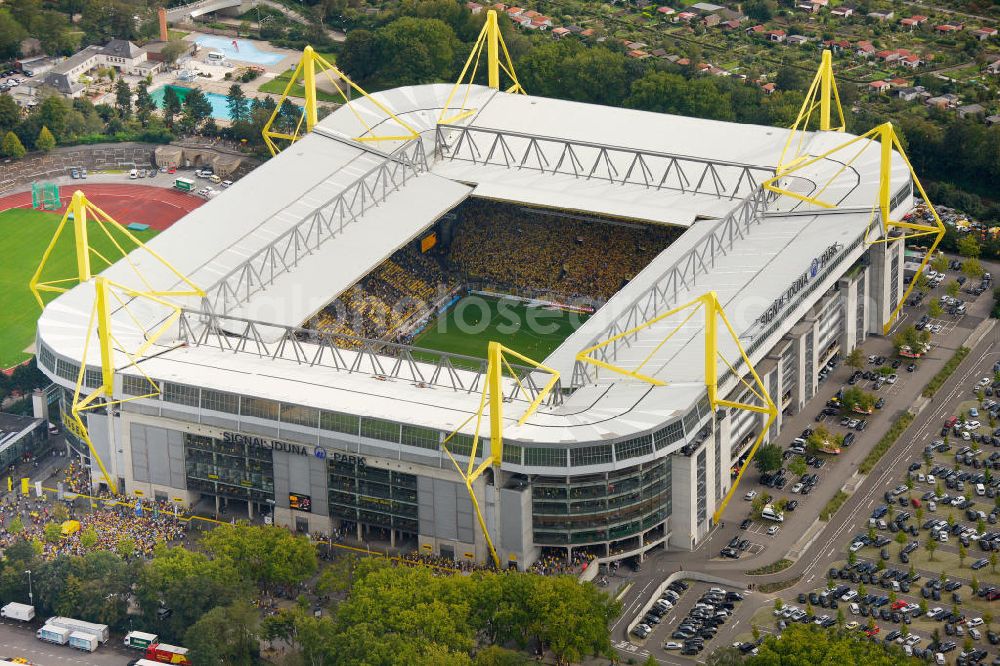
[(470, 324), (24, 235)]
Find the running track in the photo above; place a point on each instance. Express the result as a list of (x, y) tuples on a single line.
[(158, 207)]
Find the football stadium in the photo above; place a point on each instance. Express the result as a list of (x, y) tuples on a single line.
[(485, 325)]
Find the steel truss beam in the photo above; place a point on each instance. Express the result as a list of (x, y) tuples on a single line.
[(344, 353), (679, 279), (593, 161), (714, 313), (324, 223)]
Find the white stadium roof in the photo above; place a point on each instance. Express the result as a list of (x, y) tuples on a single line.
[(638, 157)]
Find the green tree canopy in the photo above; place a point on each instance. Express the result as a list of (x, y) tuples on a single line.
[(45, 141), (13, 148), (768, 458), (236, 101), (264, 554), (800, 645)]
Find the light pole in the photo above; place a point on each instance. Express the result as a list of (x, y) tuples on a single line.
[(31, 597)]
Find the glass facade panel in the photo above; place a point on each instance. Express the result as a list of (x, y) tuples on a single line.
[(259, 408), (631, 448), (180, 394), (512, 453), (425, 438), (372, 496), (220, 401), (132, 385), (299, 415), (590, 455), (702, 483), (67, 370), (228, 469), (598, 508), (379, 429), (543, 457), (673, 432), (337, 422), (47, 358)]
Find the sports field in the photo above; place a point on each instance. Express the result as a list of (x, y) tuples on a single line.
[(470, 324), (24, 235)]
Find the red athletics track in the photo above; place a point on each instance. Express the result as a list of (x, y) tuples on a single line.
[(158, 207)]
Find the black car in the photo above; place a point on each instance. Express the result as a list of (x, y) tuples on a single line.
[(746, 524)]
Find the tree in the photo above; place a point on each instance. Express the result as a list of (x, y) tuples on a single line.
[(45, 141), (359, 56), (973, 268), (412, 51), (790, 78), (855, 359), (940, 263), (173, 50), (196, 108), (53, 532), (768, 458), (858, 400), (225, 635), (968, 246), (805, 644), (123, 98), (144, 103), (974, 585), (952, 288), (171, 105), (239, 107), (263, 555), (10, 113), (797, 466), (987, 619), (930, 546), (934, 309), (88, 538), (852, 558), (13, 148), (993, 562)]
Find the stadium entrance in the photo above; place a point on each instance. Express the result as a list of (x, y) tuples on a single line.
[(235, 475), (371, 503)]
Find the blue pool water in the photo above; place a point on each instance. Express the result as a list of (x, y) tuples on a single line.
[(247, 51), (220, 109)]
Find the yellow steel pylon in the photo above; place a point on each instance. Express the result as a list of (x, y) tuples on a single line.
[(823, 87), (492, 397), (714, 313), (107, 291), (886, 136), (306, 70), (89, 223), (491, 40)]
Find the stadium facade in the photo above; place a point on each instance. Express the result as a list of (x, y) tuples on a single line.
[(317, 432)]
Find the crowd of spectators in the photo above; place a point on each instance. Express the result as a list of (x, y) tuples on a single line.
[(522, 251), (556, 564)]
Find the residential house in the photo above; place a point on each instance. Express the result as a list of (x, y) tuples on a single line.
[(685, 17), (882, 16), (730, 25), (559, 33), (666, 11), (982, 34), (843, 11), (711, 20), (865, 49), (993, 67), (36, 66), (887, 56), (880, 86), (837, 45), (913, 21), (912, 61), (514, 13), (945, 28), (588, 33), (992, 120), (911, 93), (474, 7), (776, 35), (706, 7), (635, 46), (540, 23), (768, 88), (575, 29), (899, 83), (638, 54), (971, 110), (684, 62), (797, 40), (122, 55), (755, 30), (948, 100), (659, 53)]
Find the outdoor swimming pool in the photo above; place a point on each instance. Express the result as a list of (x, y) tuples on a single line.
[(244, 51), (220, 109)]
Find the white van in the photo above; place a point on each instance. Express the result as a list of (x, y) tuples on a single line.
[(133, 174), (216, 56), (980, 489), (770, 513)]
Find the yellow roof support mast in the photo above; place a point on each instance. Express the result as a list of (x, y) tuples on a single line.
[(306, 71), (822, 96), (713, 313), (90, 223)]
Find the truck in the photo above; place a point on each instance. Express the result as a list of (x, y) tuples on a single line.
[(16, 611), (53, 634), (98, 630), (184, 184), (140, 639), (168, 654), (81, 640)]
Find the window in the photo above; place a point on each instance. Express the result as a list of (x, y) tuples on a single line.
[(259, 408), (590, 455), (542, 457), (379, 429), (511, 453), (691, 421), (337, 422), (219, 401), (46, 357), (67, 370), (132, 385), (92, 378), (630, 448), (179, 393), (299, 415), (673, 432), (425, 438), (702, 483)]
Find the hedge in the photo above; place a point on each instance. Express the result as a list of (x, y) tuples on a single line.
[(884, 444), (937, 381), (833, 505), (774, 567)]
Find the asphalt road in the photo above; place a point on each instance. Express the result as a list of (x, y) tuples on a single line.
[(19, 641)]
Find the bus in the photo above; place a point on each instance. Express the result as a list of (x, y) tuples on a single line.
[(184, 184)]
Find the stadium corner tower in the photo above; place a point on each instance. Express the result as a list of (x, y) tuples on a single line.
[(236, 405)]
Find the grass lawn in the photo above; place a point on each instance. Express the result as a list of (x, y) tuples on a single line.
[(177, 34), (276, 86), (471, 323), (24, 235)]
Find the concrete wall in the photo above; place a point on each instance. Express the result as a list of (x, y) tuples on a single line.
[(58, 162)]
